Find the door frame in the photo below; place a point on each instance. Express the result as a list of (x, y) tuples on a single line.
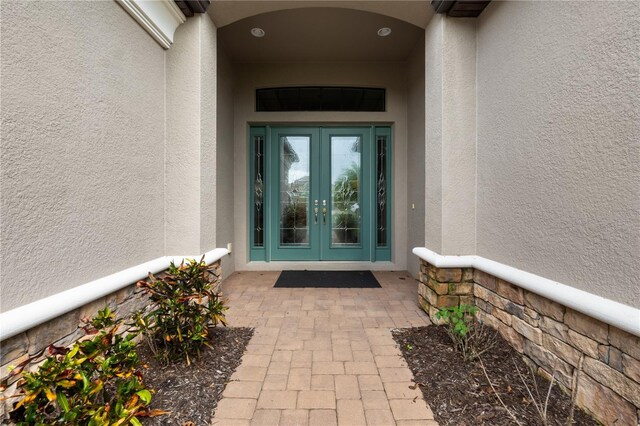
[(261, 134)]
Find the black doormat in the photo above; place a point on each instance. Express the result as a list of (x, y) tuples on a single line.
[(327, 279)]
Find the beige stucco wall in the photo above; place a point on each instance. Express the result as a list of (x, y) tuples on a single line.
[(433, 136), (183, 120), (559, 142), (108, 145), (390, 75), (81, 148), (458, 136), (450, 174), (209, 153), (415, 155), (225, 163), (191, 149)]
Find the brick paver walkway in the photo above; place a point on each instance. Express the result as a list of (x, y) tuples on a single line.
[(322, 356)]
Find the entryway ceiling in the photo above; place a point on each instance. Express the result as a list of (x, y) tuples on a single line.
[(320, 35), (416, 12)]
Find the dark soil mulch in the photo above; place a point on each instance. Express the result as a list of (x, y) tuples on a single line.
[(191, 393), (459, 393)]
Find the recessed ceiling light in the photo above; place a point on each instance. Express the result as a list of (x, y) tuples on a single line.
[(257, 32), (384, 31)]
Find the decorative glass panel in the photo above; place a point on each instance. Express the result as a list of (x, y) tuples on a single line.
[(258, 192), (381, 191), (294, 190), (346, 218)]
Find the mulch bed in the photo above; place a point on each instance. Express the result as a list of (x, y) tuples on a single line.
[(459, 393), (191, 393)]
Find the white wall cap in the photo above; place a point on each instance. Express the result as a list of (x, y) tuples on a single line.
[(608, 311), (28, 316)]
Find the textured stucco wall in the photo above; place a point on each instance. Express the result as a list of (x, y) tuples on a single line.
[(81, 148), (390, 75), (191, 146), (450, 51), (182, 169), (458, 136), (415, 155), (558, 142), (433, 137), (208, 133), (225, 163)]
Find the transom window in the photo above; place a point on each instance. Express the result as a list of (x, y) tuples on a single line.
[(320, 99)]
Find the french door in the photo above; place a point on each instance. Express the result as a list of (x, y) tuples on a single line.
[(320, 193)]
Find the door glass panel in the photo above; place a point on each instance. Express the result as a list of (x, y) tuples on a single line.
[(294, 190), (345, 190), (381, 191), (258, 192)]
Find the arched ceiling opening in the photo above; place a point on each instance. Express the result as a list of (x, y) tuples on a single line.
[(319, 35), (416, 12)]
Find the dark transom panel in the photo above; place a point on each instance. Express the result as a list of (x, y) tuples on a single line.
[(320, 99)]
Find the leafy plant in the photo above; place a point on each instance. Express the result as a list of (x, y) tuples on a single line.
[(184, 305), (468, 335), (97, 381), (459, 318)]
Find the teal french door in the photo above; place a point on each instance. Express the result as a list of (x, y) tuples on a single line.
[(320, 193)]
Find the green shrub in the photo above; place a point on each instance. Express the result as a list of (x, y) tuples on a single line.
[(459, 319), (468, 335), (96, 382), (184, 305)]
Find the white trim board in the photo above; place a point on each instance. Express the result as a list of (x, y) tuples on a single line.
[(28, 316), (608, 311), (159, 18)]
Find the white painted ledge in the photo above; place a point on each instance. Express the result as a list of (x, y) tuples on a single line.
[(159, 18), (27, 316), (608, 311)]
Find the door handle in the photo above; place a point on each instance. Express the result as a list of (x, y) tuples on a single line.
[(315, 211), (324, 212)]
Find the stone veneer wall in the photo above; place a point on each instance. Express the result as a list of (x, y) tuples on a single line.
[(65, 330), (550, 336)]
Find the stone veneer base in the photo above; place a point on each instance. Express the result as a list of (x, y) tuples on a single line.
[(550, 336), (64, 331)]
